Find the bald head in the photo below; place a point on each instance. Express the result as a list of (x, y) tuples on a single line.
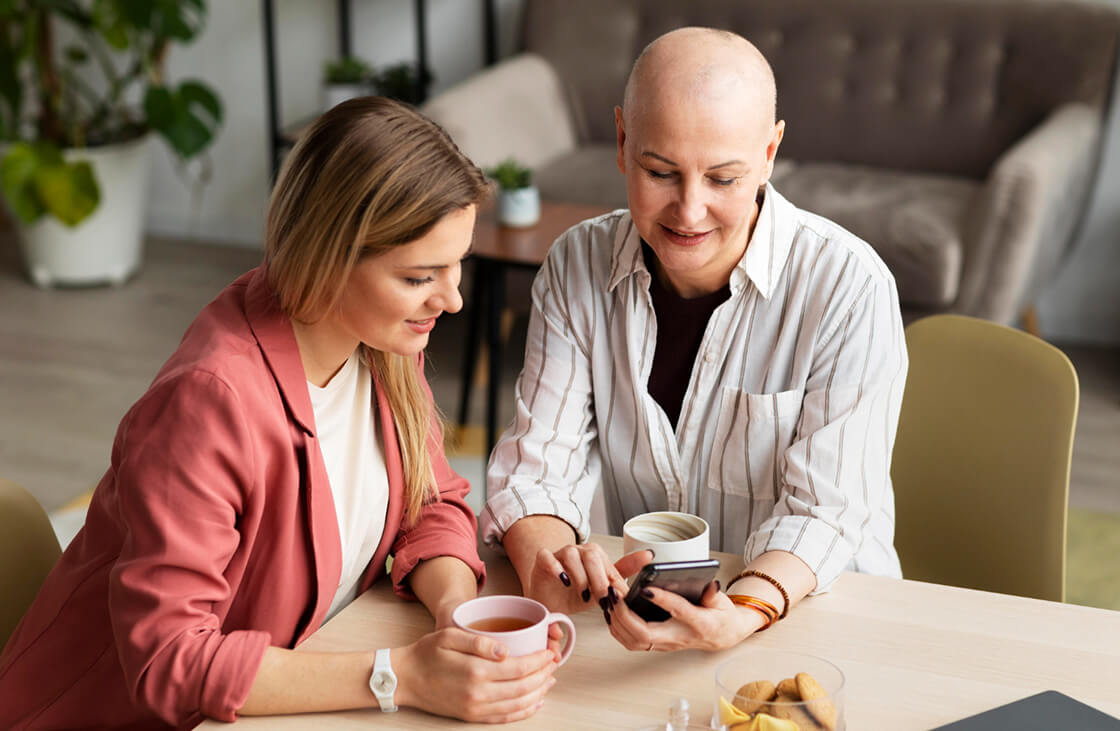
[(701, 67)]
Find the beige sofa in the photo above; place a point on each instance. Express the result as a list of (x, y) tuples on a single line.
[(958, 137)]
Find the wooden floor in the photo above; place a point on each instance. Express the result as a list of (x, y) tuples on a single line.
[(73, 360)]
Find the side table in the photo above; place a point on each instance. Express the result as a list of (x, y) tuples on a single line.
[(495, 251)]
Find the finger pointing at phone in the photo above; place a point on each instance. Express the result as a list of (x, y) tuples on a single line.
[(564, 575)]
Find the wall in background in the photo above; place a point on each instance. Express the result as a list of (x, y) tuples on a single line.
[(1081, 305), (230, 56)]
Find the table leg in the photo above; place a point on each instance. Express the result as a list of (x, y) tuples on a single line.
[(496, 302), (479, 292)]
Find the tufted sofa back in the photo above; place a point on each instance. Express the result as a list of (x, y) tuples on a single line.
[(941, 86)]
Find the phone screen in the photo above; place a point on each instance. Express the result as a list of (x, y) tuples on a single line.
[(687, 578)]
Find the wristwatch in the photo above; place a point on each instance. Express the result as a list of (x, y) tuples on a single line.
[(383, 681)]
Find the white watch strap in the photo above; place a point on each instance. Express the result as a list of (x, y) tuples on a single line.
[(383, 681)]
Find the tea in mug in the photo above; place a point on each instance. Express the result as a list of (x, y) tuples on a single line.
[(501, 624)]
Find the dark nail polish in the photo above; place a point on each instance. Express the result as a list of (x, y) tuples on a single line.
[(564, 578), (613, 595), (586, 595), (648, 593), (718, 585), (607, 616), (604, 604)]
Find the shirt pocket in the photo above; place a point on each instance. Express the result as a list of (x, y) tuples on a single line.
[(753, 432)]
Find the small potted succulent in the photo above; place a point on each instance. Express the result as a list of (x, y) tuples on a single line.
[(346, 78), (519, 201)]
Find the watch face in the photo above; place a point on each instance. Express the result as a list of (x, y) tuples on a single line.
[(383, 682)]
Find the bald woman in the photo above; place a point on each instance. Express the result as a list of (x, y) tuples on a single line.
[(712, 349)]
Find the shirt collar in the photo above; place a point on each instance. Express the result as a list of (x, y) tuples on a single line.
[(627, 260), (762, 262), (770, 244), (273, 330)]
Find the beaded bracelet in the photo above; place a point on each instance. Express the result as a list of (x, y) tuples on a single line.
[(761, 606), (766, 577)]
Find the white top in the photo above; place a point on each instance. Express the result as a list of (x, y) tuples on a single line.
[(351, 441), (785, 437)]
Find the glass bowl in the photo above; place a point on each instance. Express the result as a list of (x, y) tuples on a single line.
[(778, 690)]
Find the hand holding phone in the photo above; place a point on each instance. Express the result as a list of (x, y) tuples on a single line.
[(687, 578)]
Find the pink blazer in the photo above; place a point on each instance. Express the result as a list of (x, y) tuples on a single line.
[(212, 536)]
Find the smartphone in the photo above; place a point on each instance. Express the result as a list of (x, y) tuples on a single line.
[(687, 578)]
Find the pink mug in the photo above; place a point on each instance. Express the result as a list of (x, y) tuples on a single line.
[(519, 623)]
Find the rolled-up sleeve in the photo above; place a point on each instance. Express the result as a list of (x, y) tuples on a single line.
[(835, 482), (544, 463), (184, 462)]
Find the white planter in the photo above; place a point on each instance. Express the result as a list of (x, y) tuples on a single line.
[(335, 94), (106, 246), (520, 207)]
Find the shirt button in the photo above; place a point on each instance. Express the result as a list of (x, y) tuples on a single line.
[(710, 356)]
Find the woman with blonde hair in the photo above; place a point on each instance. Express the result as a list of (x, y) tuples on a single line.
[(284, 451)]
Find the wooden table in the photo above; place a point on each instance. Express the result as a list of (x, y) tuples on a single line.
[(495, 250), (915, 656)]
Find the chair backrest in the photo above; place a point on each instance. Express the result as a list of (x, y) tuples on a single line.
[(981, 462), (28, 551)]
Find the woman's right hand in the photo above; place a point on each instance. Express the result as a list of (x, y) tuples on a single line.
[(456, 673)]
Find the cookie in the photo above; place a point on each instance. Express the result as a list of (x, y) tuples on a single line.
[(788, 709), (816, 700), (777, 702), (753, 696), (789, 687)]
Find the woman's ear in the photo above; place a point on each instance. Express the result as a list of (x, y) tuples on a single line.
[(775, 141)]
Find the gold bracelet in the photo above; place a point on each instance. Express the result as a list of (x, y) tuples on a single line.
[(761, 606), (760, 610), (767, 577)]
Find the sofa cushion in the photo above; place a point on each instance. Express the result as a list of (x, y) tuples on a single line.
[(587, 175), (915, 222), (514, 109), (860, 80)]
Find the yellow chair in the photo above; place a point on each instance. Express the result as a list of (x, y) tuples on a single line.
[(28, 551), (981, 463)]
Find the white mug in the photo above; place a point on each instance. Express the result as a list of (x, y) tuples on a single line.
[(521, 624), (670, 535)]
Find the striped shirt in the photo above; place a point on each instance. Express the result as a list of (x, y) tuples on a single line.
[(785, 437)]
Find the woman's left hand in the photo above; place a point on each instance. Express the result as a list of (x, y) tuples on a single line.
[(715, 624)]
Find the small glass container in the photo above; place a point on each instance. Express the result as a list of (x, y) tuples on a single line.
[(814, 700), (679, 719)]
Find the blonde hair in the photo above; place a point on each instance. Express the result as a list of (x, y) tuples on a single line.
[(369, 175)]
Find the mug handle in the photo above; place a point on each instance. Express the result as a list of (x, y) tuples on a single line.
[(569, 631)]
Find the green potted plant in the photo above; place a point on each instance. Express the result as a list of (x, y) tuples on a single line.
[(403, 82), (77, 112), (519, 201), (345, 78)]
